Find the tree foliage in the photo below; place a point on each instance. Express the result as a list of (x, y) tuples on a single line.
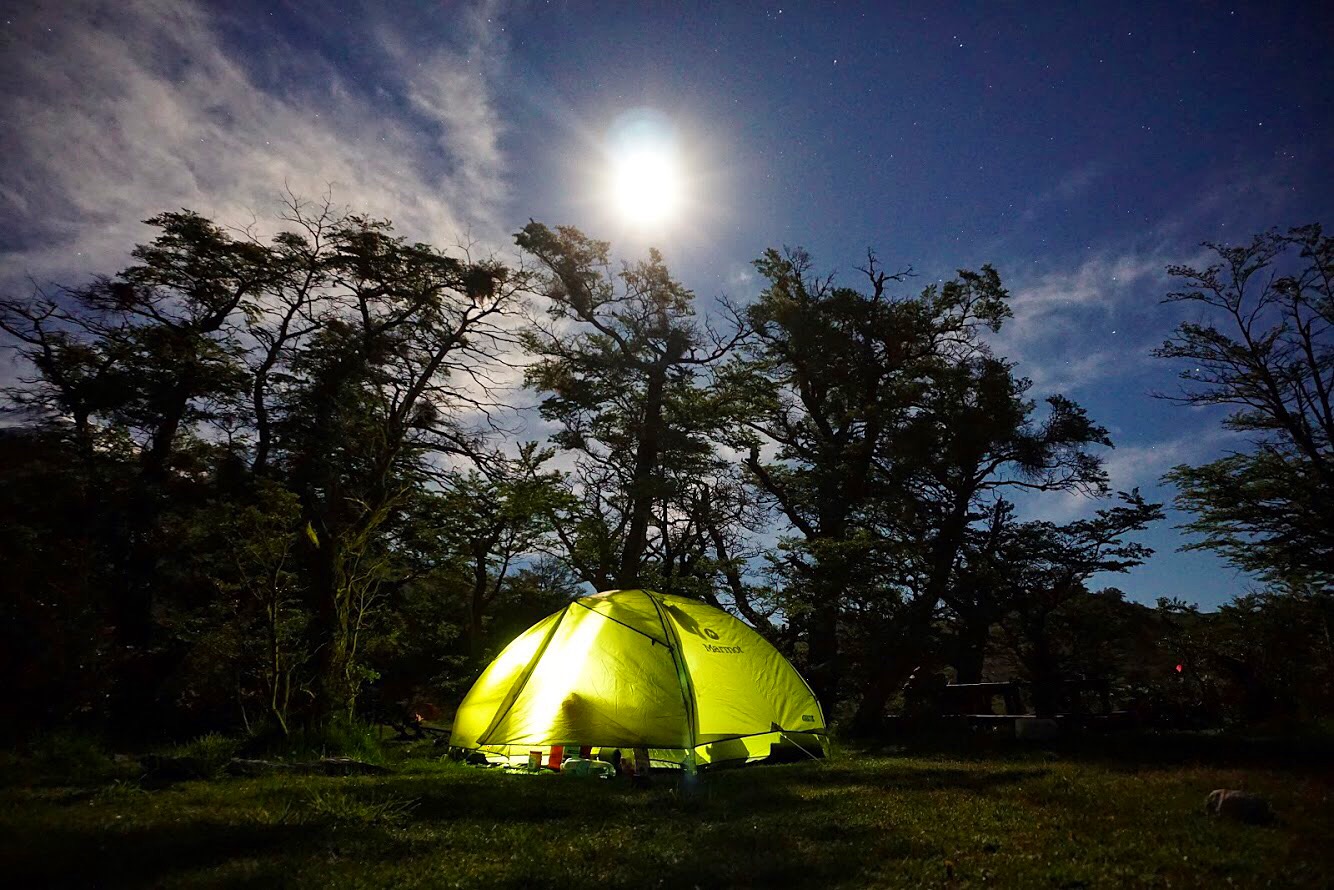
[(624, 367), (268, 483), (1050, 571), (257, 426), (879, 427), (1265, 349)]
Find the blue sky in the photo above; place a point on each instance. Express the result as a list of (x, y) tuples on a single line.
[(1079, 148)]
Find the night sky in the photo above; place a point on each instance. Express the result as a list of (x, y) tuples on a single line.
[(1079, 148)]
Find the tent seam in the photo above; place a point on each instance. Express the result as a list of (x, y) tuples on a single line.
[(527, 675), (623, 624), (683, 677)]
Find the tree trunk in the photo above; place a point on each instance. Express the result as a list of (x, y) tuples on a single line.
[(824, 671), (641, 488), (329, 628), (263, 431), (970, 656), (143, 668), (476, 607), (890, 675), (869, 718), (1042, 672)]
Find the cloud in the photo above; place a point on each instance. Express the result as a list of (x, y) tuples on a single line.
[(1069, 327), (114, 112), (1074, 184), (1096, 318), (1090, 284), (1136, 466), (1063, 375), (1143, 465)]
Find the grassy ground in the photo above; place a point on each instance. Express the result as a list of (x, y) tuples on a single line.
[(1016, 818)]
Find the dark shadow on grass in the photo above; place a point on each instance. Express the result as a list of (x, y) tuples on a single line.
[(535, 800), (891, 776), (1202, 749), (930, 778), (491, 795), (1129, 749), (759, 827), (743, 828), (749, 850), (505, 798), (139, 857)]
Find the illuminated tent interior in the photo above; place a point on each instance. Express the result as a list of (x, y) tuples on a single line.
[(630, 669)]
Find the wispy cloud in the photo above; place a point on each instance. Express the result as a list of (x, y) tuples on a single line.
[(113, 112), (1095, 317), (1074, 184), (1092, 283), (1070, 373), (1137, 466), (1069, 327)]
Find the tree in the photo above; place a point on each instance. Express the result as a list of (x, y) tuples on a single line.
[(823, 383), (1264, 656), (1052, 565), (388, 381), (623, 364), (879, 427), (1280, 649), (981, 438), (146, 368), (987, 577), (494, 521), (142, 361), (1267, 353), (56, 657), (222, 379), (249, 640), (297, 303), (728, 519)]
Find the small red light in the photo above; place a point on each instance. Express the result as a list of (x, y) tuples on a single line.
[(1180, 669)]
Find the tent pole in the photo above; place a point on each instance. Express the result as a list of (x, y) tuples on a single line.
[(683, 680), (517, 688), (798, 744)]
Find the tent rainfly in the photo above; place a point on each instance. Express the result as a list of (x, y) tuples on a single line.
[(637, 669)]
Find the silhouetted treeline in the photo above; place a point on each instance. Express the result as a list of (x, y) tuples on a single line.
[(254, 484)]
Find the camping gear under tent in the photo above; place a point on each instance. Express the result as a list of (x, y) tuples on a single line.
[(636, 669)]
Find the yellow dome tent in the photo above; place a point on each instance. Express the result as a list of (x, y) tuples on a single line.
[(637, 669)]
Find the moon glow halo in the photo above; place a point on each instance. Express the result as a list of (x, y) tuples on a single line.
[(645, 181)]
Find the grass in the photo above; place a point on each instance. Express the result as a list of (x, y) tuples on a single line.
[(208, 754), (1005, 817), (340, 739), (75, 758)]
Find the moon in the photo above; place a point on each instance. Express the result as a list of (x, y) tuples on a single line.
[(645, 181), (646, 185)]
